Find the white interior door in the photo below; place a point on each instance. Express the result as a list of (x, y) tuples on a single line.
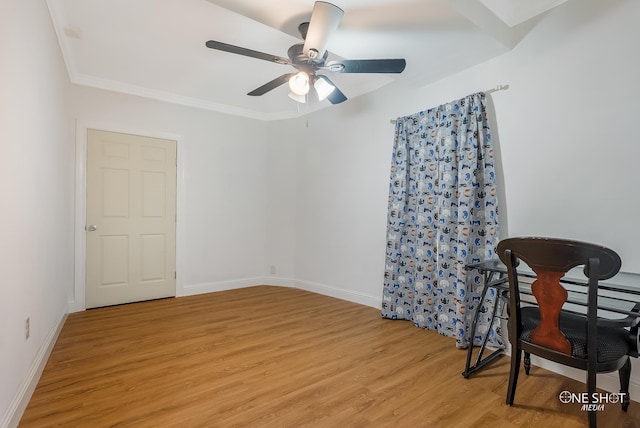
[(131, 218)]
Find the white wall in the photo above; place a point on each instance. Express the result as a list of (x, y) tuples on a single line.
[(568, 140), (36, 187), (280, 214), (343, 159), (222, 190)]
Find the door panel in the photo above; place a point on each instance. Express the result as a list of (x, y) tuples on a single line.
[(131, 200)]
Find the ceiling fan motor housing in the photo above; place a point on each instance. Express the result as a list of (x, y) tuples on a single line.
[(299, 58)]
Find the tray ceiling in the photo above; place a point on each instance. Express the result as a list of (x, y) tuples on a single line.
[(156, 48)]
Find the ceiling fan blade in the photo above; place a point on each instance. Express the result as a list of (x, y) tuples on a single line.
[(212, 44), (325, 18), (271, 85), (367, 66), (336, 96)]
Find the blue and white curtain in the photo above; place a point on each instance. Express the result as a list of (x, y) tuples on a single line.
[(443, 215)]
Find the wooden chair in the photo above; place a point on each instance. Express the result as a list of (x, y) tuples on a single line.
[(587, 342)]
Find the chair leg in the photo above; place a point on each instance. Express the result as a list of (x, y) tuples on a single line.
[(625, 375), (591, 389), (516, 355), (592, 419), (527, 363)]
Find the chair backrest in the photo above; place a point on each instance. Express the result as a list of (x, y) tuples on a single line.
[(551, 259)]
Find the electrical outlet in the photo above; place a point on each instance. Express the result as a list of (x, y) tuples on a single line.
[(27, 328), (273, 269)]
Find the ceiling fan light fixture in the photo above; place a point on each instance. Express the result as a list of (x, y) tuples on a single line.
[(299, 83), (302, 99), (323, 88)]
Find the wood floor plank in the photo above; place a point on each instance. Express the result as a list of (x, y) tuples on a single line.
[(280, 357)]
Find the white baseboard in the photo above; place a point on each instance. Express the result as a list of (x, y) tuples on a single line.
[(212, 287), (75, 306), (327, 290), (278, 281), (19, 403), (340, 293)]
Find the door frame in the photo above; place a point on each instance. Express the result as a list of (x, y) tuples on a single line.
[(77, 300)]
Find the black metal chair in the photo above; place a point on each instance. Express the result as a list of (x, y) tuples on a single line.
[(544, 328)]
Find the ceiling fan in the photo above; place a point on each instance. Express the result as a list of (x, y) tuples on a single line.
[(309, 58)]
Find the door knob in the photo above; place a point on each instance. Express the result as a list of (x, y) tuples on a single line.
[(92, 228)]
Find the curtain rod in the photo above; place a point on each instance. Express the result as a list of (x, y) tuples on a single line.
[(497, 88), (487, 92)]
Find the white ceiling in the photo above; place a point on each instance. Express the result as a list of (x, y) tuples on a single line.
[(156, 48)]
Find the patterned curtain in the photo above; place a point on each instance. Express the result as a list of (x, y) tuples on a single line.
[(443, 215)]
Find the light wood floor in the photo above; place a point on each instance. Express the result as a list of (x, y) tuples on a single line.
[(279, 357)]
